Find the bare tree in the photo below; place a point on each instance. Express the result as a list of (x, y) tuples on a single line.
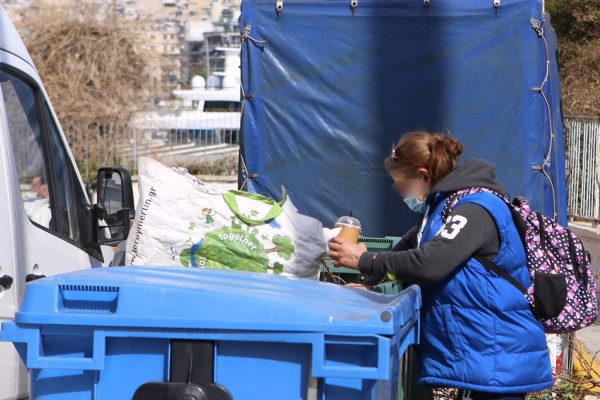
[(92, 61)]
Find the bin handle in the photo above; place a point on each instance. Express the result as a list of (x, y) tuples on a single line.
[(31, 337), (324, 368)]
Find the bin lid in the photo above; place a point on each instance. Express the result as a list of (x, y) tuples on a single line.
[(191, 298)]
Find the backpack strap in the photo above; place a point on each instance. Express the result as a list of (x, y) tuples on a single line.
[(498, 270), (454, 198), (520, 224)]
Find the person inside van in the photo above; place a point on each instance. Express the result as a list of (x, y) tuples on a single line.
[(39, 187), (477, 331), (38, 207)]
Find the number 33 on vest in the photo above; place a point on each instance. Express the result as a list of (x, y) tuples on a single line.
[(453, 227)]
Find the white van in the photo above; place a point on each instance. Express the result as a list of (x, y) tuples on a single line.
[(47, 224)]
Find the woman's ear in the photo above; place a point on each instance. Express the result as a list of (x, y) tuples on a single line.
[(424, 174)]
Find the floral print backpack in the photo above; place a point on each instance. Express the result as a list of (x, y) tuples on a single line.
[(562, 294)]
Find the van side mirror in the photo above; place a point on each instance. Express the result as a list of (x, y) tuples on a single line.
[(115, 205)]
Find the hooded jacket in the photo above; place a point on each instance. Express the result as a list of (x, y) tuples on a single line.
[(477, 331)]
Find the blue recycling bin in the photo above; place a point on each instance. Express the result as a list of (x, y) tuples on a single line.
[(174, 333)]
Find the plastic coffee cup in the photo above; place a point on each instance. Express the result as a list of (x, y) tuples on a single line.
[(351, 228)]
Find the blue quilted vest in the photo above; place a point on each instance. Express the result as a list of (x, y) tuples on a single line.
[(477, 330)]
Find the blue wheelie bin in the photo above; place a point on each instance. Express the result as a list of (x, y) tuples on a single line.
[(177, 333)]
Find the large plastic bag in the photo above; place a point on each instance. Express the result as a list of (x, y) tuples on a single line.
[(180, 220)]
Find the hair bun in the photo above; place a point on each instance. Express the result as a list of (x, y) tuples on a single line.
[(454, 147)]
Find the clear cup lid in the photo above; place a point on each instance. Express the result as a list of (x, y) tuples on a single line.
[(350, 222)]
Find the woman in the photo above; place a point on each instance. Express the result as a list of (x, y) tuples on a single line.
[(478, 333)]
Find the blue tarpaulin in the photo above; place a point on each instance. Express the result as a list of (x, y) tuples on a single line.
[(333, 87)]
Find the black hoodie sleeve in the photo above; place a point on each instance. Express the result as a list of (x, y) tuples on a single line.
[(471, 230), (409, 240)]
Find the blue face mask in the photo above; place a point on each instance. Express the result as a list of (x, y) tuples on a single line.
[(415, 205)]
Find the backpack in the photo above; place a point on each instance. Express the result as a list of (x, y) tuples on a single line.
[(562, 295)]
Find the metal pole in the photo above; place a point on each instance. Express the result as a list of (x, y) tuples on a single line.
[(207, 58)]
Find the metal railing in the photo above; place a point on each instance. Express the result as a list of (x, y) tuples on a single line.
[(582, 148), (209, 146)]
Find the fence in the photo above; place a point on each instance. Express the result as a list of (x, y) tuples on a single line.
[(582, 146), (206, 145)]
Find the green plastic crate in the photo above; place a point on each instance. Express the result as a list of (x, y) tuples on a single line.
[(347, 275), (380, 244)]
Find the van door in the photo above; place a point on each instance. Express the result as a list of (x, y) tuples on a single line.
[(9, 364), (44, 206)]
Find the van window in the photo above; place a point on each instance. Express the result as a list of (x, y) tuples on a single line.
[(23, 124), (49, 187), (69, 194)]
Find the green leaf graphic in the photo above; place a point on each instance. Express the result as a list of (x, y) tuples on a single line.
[(229, 248), (283, 247)]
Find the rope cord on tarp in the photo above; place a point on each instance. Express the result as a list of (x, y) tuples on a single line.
[(246, 35), (244, 38), (539, 29), (246, 174)]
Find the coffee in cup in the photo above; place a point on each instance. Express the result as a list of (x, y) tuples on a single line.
[(351, 228)]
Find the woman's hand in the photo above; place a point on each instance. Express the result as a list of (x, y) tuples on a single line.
[(357, 286), (345, 253)]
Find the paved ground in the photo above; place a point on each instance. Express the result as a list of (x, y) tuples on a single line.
[(589, 339)]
